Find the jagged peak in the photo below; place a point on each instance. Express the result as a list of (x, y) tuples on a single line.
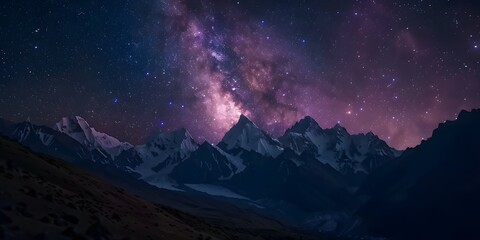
[(72, 124), (245, 134), (79, 129), (243, 117), (465, 114), (337, 125), (303, 125), (464, 118), (206, 144), (74, 118), (244, 120), (242, 124), (339, 128), (183, 132), (369, 134), (175, 135)]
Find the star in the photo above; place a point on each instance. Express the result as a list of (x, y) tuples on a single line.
[(216, 60)]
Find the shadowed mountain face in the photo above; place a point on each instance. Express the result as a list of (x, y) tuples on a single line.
[(432, 191), (207, 164), (301, 180), (245, 135), (45, 198)]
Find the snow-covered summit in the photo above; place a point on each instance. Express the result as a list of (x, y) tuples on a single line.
[(304, 135), (179, 142), (162, 154), (77, 128), (246, 135), (337, 147), (306, 124)]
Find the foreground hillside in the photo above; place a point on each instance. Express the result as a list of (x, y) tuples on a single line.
[(45, 198)]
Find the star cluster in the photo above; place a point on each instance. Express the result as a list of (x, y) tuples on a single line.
[(396, 68)]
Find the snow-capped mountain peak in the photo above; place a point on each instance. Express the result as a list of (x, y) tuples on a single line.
[(167, 148), (242, 120), (337, 147), (162, 154), (246, 135), (208, 163), (304, 135), (77, 128), (180, 141), (304, 125), (339, 129)]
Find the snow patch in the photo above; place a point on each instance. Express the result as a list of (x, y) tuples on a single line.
[(215, 190)]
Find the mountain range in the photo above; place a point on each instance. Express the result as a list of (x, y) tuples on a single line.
[(323, 181), (155, 160)]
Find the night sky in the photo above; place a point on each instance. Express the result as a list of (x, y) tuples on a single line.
[(397, 68)]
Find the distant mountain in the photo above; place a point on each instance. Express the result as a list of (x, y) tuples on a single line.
[(156, 159), (169, 146), (161, 155), (48, 141), (208, 164), (73, 139), (62, 145), (245, 135), (432, 191), (349, 154), (77, 128)]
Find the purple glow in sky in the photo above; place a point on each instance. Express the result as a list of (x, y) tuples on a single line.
[(130, 67)]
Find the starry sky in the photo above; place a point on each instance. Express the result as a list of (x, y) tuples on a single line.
[(134, 67)]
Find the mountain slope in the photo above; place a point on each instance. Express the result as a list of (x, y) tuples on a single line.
[(48, 141), (77, 128), (245, 135), (433, 190), (162, 154), (46, 198), (75, 141), (207, 164), (58, 144), (297, 189)]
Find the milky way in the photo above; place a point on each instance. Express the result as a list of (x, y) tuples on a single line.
[(133, 67)]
